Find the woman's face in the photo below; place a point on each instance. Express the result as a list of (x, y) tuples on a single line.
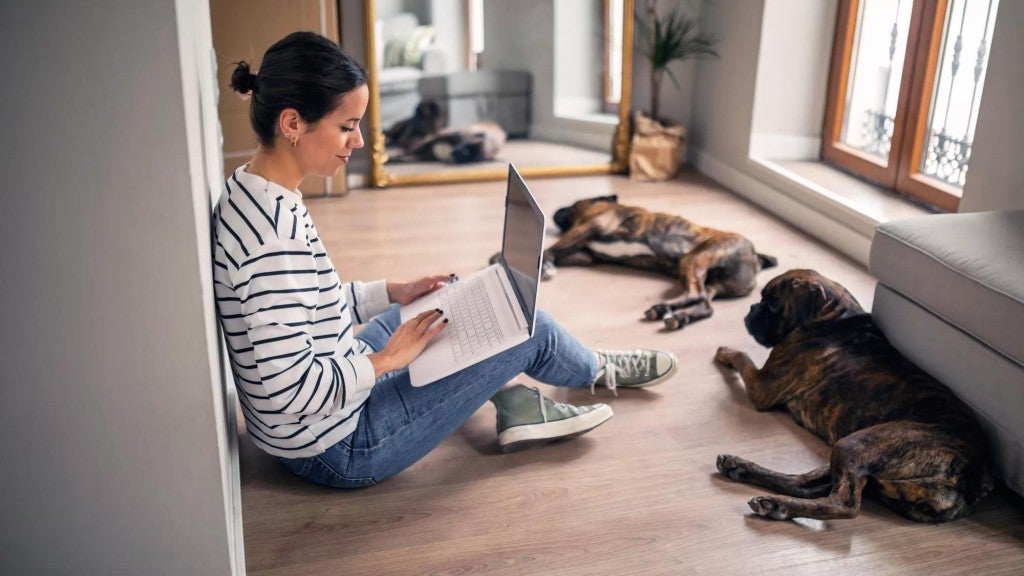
[(323, 149)]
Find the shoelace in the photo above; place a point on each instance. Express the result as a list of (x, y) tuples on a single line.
[(624, 363), (540, 400)]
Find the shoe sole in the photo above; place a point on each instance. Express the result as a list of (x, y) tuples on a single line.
[(519, 437)]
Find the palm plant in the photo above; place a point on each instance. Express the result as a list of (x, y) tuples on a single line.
[(666, 39)]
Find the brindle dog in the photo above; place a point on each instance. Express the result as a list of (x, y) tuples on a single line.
[(894, 430), (709, 263)]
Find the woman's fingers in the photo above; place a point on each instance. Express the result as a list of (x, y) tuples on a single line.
[(436, 329), (429, 316), (427, 324)]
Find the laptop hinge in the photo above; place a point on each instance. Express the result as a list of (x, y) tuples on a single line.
[(519, 295)]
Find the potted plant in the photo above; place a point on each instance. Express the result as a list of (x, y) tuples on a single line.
[(656, 149), (667, 39)]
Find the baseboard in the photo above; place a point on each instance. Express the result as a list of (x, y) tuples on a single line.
[(833, 227), (587, 134)]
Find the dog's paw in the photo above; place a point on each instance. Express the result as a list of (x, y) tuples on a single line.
[(727, 356), (548, 270), (768, 508), (731, 466), (656, 312), (676, 322)]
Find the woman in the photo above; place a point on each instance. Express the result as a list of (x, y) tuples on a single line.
[(337, 408)]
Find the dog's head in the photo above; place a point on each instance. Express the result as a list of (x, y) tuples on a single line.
[(567, 217), (428, 117), (795, 299)]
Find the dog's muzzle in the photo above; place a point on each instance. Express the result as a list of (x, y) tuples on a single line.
[(756, 325)]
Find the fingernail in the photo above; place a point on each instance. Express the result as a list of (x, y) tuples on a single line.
[(445, 320), (438, 310)]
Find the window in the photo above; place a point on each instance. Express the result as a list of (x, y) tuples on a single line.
[(473, 16), (904, 91)]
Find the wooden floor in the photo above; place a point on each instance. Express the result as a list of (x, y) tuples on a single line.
[(640, 494)]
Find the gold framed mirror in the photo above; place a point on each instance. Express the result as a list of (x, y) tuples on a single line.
[(520, 65)]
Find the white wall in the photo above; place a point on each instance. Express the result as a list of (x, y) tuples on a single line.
[(723, 97), (446, 18), (525, 46), (521, 35), (792, 77), (995, 179), (114, 438), (578, 56)]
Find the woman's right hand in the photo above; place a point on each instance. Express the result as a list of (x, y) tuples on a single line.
[(408, 342)]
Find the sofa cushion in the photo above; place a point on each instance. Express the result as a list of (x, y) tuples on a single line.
[(408, 49), (966, 268)]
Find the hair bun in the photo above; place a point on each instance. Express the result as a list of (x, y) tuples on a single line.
[(243, 80)]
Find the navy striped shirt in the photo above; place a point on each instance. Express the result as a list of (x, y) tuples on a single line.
[(301, 376)]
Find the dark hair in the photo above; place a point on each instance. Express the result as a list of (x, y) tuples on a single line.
[(304, 71)]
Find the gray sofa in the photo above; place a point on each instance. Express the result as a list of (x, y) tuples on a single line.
[(950, 296), (501, 96)]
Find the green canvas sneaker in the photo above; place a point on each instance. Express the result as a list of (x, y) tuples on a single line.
[(633, 368), (527, 418)]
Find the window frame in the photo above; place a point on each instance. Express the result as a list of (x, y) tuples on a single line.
[(901, 171), (607, 105)]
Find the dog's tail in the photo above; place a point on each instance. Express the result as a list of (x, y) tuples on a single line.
[(767, 261)]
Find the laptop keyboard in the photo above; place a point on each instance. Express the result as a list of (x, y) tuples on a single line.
[(473, 327)]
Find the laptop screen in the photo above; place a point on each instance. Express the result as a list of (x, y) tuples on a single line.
[(523, 243)]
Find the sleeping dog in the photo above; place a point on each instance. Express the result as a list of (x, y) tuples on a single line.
[(894, 430), (424, 137), (709, 263)]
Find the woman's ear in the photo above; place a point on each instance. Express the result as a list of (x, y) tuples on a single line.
[(290, 124)]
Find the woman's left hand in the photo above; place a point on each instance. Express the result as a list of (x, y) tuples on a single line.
[(405, 292)]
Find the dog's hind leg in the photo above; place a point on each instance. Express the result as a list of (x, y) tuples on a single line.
[(682, 316), (843, 500), (695, 302), (814, 484), (890, 451), (930, 473)]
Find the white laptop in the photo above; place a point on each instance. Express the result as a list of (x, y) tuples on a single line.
[(493, 309)]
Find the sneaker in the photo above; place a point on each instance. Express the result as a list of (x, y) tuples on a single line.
[(527, 418), (633, 368)]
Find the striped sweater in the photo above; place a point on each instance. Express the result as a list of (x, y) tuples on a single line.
[(301, 376)]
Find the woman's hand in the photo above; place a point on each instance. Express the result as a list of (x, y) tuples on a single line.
[(406, 292), (408, 342)]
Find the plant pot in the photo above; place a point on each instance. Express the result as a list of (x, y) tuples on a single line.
[(655, 150)]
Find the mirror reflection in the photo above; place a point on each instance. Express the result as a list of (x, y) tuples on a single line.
[(463, 87)]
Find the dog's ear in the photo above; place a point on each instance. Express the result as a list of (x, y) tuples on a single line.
[(563, 218), (829, 301)]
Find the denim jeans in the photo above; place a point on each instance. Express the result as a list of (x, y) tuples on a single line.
[(399, 424)]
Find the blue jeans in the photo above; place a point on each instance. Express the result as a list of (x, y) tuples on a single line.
[(399, 424)]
